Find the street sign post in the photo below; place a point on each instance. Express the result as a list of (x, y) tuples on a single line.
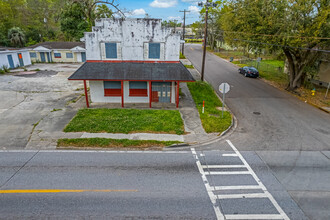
[(223, 88)]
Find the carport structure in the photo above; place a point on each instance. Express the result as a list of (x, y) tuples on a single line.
[(118, 81)]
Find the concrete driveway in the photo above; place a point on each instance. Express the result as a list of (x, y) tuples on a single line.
[(29, 97)]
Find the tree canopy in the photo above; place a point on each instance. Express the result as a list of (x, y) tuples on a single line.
[(47, 20), (298, 28)]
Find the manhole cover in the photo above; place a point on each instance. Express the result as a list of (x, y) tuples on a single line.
[(257, 113)]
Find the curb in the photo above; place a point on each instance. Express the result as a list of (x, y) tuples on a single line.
[(323, 109), (178, 145)]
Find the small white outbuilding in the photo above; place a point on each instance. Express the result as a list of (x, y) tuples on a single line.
[(12, 58)]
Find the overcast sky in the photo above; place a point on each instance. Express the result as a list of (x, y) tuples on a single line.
[(164, 9)]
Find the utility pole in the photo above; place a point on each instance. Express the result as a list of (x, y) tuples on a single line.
[(207, 5), (184, 27)]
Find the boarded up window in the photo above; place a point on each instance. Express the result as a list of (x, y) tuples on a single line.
[(138, 89), (111, 50), (112, 88), (154, 50), (57, 55)]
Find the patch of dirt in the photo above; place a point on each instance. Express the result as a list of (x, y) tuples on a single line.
[(306, 94), (41, 73)]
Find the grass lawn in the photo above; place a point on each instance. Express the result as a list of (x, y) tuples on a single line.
[(211, 119), (226, 54), (276, 63), (182, 56), (111, 143), (189, 66), (126, 121), (269, 70)]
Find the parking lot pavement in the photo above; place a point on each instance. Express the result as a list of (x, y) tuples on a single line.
[(31, 96)]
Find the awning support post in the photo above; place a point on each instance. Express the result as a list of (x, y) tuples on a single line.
[(150, 94), (122, 94), (86, 95)]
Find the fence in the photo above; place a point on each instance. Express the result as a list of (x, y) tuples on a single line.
[(264, 67)]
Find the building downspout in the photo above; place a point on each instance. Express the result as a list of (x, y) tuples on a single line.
[(86, 96)]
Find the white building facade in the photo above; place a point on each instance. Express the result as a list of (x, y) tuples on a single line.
[(132, 61), (14, 58)]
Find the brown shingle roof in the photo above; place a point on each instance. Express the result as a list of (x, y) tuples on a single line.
[(59, 45)]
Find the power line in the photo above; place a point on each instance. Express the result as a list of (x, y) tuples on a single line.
[(279, 45), (273, 35), (207, 5)]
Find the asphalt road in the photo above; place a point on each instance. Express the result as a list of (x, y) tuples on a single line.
[(268, 119), (290, 136), (137, 185)]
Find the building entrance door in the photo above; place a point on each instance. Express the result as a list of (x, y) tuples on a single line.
[(162, 90), (10, 61), (42, 57), (20, 59), (83, 56)]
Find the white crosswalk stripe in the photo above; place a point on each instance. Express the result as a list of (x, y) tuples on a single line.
[(235, 191)]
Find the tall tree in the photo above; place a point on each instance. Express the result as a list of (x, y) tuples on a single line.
[(37, 18), (298, 28), (103, 11), (197, 28), (16, 37), (214, 28), (171, 23), (73, 22)]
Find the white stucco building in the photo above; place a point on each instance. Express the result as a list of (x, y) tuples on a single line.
[(132, 61), (12, 58)]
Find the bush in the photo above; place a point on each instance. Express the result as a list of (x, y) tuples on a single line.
[(193, 40), (5, 69)]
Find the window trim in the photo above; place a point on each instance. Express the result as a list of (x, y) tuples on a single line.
[(56, 55), (138, 92), (112, 92), (66, 55)]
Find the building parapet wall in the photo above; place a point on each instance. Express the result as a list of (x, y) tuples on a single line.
[(132, 37)]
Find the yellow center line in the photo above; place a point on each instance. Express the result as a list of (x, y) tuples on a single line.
[(63, 190)]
